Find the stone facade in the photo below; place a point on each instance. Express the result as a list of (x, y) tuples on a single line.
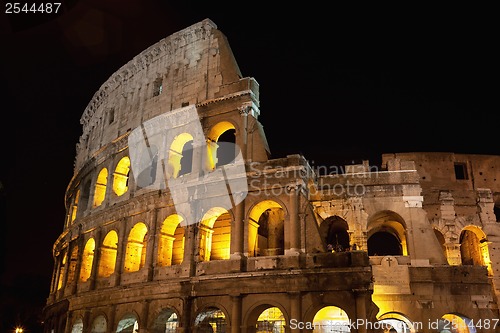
[(156, 244)]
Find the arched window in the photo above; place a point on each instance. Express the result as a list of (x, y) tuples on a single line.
[(334, 231), (331, 319), (266, 233), (171, 241), (100, 187), (87, 260), (180, 155), (211, 320), (166, 322), (107, 259), (121, 176), (215, 235), (135, 256)]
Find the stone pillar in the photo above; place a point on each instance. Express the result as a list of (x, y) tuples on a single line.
[(97, 256), (293, 225), (244, 111), (295, 309), (237, 231), (361, 297), (236, 313), (78, 265), (111, 319), (185, 323), (120, 251), (151, 245), (143, 327)]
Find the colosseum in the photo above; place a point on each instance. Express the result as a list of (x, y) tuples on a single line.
[(179, 220)]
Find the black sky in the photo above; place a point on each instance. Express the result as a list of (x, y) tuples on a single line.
[(337, 84)]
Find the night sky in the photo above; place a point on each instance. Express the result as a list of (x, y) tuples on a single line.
[(338, 84)]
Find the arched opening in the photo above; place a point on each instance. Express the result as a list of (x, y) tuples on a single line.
[(100, 187), (99, 325), (394, 322), (180, 156), (271, 320), (386, 235), (383, 243), (215, 235), (77, 326), (266, 233), (455, 323), (128, 324), (474, 248), (171, 241), (62, 268), (74, 206), (334, 232), (221, 145), (165, 322), (121, 176), (107, 259), (148, 164), (331, 319), (87, 259), (211, 320), (85, 197), (135, 255)]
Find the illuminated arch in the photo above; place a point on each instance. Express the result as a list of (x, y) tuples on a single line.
[(62, 268), (331, 318), (221, 147), (333, 231), (87, 260), (215, 235), (399, 322), (121, 176), (74, 206), (474, 247), (456, 323), (165, 322), (72, 265), (211, 319), (128, 324), (266, 229), (180, 155), (135, 255), (100, 187), (171, 241), (271, 320), (387, 234), (107, 259)]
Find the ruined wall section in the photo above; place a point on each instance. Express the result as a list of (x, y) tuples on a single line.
[(185, 68)]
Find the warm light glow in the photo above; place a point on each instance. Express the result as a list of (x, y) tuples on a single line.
[(175, 154), (74, 207), (215, 234), (107, 260), (19, 330), (212, 146), (100, 187), (457, 323), (87, 259), (271, 320), (62, 269), (171, 241), (121, 176), (257, 240), (135, 255), (331, 317)]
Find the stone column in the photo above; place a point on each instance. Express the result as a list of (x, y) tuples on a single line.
[(244, 111), (143, 328), (120, 251), (236, 313), (237, 231), (78, 265), (361, 296), (295, 309), (151, 244), (293, 225), (185, 323), (97, 256)]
